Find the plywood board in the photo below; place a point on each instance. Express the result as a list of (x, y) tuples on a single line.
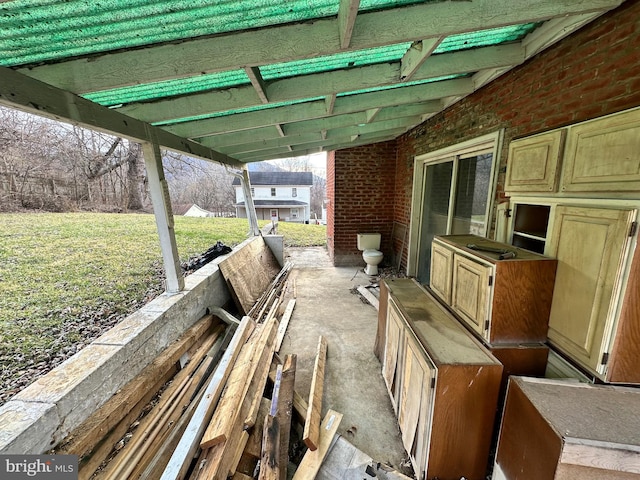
[(249, 272)]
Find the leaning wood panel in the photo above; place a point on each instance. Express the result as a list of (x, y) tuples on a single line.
[(249, 272), (379, 345), (285, 410), (311, 434)]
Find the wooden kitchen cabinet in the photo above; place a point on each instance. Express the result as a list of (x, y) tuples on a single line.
[(534, 162), (561, 430), (603, 155), (443, 382), (593, 246), (502, 301)]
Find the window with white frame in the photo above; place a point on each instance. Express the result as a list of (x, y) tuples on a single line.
[(294, 192), (253, 192), (273, 191), (294, 213), (453, 191)]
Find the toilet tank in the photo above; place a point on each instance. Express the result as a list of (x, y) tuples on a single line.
[(369, 241)]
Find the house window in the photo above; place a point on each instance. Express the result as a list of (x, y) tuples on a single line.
[(294, 213), (453, 191), (273, 192), (253, 192), (294, 192)]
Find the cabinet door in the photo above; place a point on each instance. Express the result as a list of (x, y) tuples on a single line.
[(603, 155), (393, 351), (533, 163), (471, 292), (441, 271), (591, 246), (414, 413)]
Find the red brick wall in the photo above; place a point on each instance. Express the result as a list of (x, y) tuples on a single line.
[(360, 189), (594, 72)]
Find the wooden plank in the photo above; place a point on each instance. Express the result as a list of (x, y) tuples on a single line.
[(312, 460), (254, 443), (269, 461), (83, 440), (225, 456), (249, 271), (188, 445), (237, 386), (370, 297), (300, 405), (284, 323), (285, 411), (311, 434)]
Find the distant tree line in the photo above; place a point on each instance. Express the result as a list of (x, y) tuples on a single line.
[(53, 166)]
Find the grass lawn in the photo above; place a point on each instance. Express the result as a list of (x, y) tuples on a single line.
[(66, 278)]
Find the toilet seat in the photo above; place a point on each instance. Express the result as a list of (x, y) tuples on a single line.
[(372, 253)]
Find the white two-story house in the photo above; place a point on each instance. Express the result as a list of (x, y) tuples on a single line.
[(284, 196)]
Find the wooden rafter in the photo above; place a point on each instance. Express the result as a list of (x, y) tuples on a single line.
[(300, 41)]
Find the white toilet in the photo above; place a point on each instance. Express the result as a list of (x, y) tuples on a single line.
[(369, 243)]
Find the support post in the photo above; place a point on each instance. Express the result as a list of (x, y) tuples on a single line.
[(248, 203), (164, 216)]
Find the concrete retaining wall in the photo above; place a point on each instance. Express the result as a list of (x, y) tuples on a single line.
[(44, 413)]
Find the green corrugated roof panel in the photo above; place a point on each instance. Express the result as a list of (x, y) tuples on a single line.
[(358, 58), (483, 38), (238, 110), (404, 84), (42, 30), (169, 88)]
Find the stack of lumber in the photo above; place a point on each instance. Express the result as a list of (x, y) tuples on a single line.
[(218, 403), (126, 424)]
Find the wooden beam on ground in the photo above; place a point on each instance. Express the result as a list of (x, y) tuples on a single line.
[(311, 434), (270, 458), (188, 445), (269, 462), (312, 460), (370, 297), (285, 411), (284, 323)]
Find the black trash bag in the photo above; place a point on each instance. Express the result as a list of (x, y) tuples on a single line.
[(199, 261)]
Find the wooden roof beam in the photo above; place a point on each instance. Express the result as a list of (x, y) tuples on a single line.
[(347, 13), (33, 96), (300, 41)]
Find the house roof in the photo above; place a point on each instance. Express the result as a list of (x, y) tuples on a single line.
[(246, 80), (278, 178)]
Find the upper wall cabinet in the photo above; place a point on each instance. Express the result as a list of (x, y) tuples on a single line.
[(534, 162), (603, 155)]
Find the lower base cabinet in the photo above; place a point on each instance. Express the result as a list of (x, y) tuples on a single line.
[(561, 430), (443, 384)]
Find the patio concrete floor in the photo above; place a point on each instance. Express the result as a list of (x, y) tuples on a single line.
[(353, 384)]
